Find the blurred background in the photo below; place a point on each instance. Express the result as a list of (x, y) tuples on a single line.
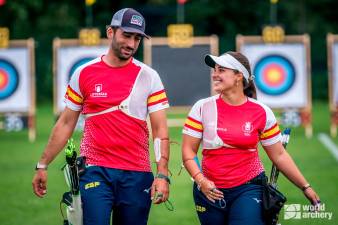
[(45, 20)]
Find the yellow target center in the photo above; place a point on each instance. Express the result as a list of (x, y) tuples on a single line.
[(2, 79), (274, 75)]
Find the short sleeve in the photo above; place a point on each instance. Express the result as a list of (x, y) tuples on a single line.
[(193, 124), (271, 133), (73, 97), (157, 100)]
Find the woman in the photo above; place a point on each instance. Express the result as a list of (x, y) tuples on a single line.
[(230, 125)]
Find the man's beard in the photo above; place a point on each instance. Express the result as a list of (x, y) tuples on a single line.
[(119, 54)]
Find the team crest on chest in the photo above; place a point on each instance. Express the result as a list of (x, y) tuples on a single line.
[(98, 93), (98, 87), (247, 128)]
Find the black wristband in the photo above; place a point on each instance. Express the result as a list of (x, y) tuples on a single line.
[(162, 176)]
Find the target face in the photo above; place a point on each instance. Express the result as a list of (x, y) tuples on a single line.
[(78, 63), (274, 74), (9, 79)]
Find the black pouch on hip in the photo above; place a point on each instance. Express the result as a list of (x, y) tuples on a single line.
[(273, 201), (81, 165)]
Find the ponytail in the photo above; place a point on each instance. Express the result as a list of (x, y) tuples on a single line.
[(250, 89)]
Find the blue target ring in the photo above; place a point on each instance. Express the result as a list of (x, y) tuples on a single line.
[(274, 75), (77, 64), (9, 79)]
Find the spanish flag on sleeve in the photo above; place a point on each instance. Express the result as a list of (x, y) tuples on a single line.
[(270, 133), (72, 96), (193, 124), (157, 98)]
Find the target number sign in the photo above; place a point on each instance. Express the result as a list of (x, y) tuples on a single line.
[(89, 36), (273, 34), (4, 37), (180, 35)]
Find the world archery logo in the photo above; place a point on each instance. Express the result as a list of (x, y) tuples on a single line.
[(9, 79), (274, 75)]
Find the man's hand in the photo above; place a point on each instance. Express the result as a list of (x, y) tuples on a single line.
[(40, 182), (159, 191), (61, 132)]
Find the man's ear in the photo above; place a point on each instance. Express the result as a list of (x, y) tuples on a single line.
[(109, 32)]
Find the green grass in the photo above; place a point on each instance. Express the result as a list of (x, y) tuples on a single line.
[(18, 204)]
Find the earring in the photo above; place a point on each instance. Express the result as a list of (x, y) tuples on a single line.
[(236, 83)]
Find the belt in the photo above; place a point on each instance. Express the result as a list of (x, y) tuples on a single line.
[(261, 179)]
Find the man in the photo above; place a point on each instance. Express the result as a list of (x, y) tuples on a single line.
[(115, 93)]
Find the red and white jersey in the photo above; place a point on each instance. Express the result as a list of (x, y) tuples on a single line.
[(116, 139), (235, 158)]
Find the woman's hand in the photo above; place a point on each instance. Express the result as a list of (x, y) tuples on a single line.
[(286, 165), (312, 196), (209, 189)]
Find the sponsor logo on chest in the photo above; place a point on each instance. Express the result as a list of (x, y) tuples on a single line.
[(247, 128), (222, 129), (98, 93)]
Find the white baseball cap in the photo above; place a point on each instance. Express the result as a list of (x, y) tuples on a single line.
[(227, 61)]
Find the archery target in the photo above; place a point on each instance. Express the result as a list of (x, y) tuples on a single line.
[(15, 80), (274, 74), (9, 79), (281, 74), (68, 59)]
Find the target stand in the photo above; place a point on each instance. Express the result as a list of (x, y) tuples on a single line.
[(282, 73), (17, 86), (68, 55), (332, 56)]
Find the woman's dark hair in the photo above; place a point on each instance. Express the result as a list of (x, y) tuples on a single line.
[(249, 88)]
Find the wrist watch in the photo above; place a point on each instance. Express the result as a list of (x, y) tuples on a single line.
[(162, 176), (41, 166)]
